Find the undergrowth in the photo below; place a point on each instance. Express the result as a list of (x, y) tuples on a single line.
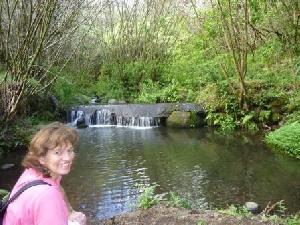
[(274, 213), (149, 198), (286, 139)]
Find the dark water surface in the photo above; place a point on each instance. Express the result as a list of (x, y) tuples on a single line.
[(211, 169)]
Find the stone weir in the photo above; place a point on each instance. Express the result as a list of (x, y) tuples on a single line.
[(136, 115)]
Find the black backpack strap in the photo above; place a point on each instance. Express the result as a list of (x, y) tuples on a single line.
[(21, 190)]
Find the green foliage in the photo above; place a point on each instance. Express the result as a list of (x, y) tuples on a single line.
[(286, 139), (171, 92), (147, 197), (174, 200), (9, 141), (127, 80), (281, 208), (221, 106), (109, 88), (236, 211), (41, 118), (293, 220), (63, 90), (17, 135), (4, 194), (193, 63), (2, 74), (154, 92), (278, 215), (226, 122), (150, 92), (200, 69), (264, 115), (73, 86), (248, 121), (294, 104), (201, 222), (293, 117)]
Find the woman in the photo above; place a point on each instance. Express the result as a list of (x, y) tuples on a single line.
[(50, 156)]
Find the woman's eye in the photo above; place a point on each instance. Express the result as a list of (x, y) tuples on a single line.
[(70, 150), (57, 153)]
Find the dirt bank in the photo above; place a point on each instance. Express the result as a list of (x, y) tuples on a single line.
[(161, 215)]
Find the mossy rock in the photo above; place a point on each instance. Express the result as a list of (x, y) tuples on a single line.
[(81, 123), (183, 119)]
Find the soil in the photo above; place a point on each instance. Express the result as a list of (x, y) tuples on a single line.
[(161, 215)]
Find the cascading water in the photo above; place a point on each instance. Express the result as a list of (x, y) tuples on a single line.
[(104, 117), (138, 121), (75, 116), (130, 115)]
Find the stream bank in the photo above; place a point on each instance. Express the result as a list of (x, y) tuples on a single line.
[(161, 215)]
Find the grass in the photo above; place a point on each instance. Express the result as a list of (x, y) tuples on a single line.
[(272, 213), (236, 211)]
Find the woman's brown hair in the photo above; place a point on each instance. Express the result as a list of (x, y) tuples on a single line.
[(49, 137)]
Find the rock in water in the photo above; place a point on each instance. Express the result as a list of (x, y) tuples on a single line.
[(81, 123), (252, 207), (7, 166)]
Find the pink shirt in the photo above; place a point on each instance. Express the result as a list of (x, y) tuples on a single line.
[(38, 205)]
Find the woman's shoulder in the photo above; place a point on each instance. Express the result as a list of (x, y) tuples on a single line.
[(49, 187), (34, 197), (31, 174), (39, 191)]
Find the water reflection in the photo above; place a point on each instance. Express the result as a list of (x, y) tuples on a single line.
[(211, 169)]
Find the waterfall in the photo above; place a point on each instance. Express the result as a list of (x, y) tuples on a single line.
[(142, 121), (75, 116), (138, 116), (104, 117)]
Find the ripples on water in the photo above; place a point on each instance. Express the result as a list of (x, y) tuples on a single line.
[(210, 169)]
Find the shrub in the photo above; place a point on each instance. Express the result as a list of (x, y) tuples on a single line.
[(147, 197), (174, 200), (150, 92), (286, 139)]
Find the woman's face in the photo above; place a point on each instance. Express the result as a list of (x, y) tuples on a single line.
[(58, 160)]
